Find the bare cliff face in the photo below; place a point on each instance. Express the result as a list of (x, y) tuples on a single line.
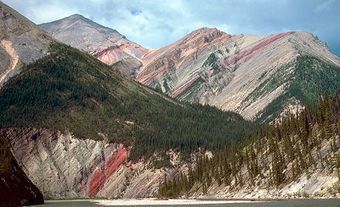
[(250, 75), (21, 41), (63, 166), (106, 44), (15, 188), (240, 73), (170, 60)]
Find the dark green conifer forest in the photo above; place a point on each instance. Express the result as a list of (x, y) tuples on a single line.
[(71, 91), (278, 153)]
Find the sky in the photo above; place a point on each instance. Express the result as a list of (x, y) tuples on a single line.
[(156, 23)]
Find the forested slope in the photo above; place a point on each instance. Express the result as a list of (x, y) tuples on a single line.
[(69, 90), (299, 156)]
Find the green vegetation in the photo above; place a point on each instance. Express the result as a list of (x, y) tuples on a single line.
[(312, 77), (277, 79), (70, 91), (212, 61), (278, 154)]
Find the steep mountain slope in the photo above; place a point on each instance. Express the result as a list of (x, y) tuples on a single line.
[(72, 96), (300, 157), (78, 93), (80, 129), (104, 43), (15, 188), (21, 41), (165, 61), (246, 74), (260, 77)]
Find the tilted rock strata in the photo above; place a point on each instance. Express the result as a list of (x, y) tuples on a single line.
[(211, 67), (63, 166), (320, 180), (207, 66), (181, 54), (15, 188)]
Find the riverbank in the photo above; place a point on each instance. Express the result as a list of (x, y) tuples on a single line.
[(196, 202), (157, 202)]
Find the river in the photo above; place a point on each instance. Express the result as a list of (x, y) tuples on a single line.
[(192, 203)]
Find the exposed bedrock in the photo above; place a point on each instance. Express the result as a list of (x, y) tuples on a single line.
[(15, 188), (63, 166)]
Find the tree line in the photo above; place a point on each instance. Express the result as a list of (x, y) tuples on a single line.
[(278, 153)]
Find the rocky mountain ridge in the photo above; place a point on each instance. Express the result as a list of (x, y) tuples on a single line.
[(247, 74), (74, 122), (240, 73), (104, 43), (21, 42), (297, 157)]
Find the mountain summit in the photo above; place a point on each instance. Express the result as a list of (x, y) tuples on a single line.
[(104, 43), (164, 61), (75, 124), (260, 77)]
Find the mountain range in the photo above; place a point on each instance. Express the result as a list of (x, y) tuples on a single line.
[(260, 77), (86, 129), (89, 113)]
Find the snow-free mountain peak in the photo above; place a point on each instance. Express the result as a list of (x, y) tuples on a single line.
[(106, 44)]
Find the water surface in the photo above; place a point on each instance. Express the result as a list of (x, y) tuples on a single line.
[(282, 203)]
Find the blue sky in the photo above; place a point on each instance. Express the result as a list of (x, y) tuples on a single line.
[(156, 23)]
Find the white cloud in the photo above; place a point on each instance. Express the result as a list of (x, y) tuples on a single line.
[(155, 23), (324, 5), (50, 12)]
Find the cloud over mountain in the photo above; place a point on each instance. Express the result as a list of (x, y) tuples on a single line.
[(157, 23)]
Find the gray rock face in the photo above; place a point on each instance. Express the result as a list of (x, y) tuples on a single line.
[(104, 43), (128, 67), (82, 33), (5, 60), (21, 42), (62, 166), (207, 66), (241, 73)]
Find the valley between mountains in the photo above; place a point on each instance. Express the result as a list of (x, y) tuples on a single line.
[(87, 113)]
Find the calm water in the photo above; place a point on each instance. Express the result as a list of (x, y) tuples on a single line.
[(285, 203)]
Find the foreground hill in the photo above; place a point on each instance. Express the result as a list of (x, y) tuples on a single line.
[(298, 157), (68, 115), (69, 90)]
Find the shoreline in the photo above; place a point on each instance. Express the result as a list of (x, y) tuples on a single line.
[(172, 202)]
